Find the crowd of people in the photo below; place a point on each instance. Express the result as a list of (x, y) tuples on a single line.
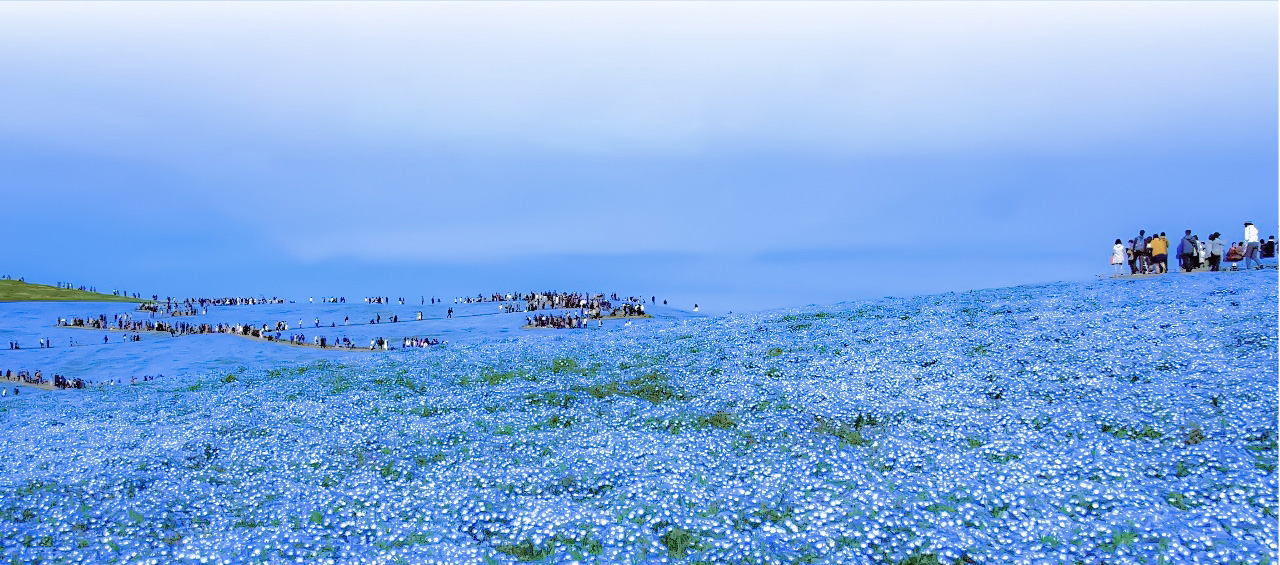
[(60, 382), (583, 316), (266, 331), (193, 306), (37, 379), (565, 321), (1149, 254), (420, 342), (25, 377), (123, 322), (73, 286)]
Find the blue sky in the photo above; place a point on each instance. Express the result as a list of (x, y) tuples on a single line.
[(743, 155)]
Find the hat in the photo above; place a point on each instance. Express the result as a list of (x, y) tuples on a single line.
[(1248, 223)]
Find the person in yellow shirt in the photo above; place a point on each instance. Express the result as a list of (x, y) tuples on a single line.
[(1160, 254)]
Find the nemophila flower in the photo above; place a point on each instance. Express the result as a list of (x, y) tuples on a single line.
[(1039, 424)]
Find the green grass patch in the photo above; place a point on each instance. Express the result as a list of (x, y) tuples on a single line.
[(1177, 500), (719, 420), (551, 399), (1147, 432), (556, 421), (495, 378), (679, 541), (525, 551), (569, 365), (654, 387), (1118, 539), (1002, 459), (850, 433), (17, 291)]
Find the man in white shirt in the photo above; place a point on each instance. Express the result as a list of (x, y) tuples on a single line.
[(1251, 245)]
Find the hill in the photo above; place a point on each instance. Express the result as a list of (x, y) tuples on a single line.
[(18, 291)]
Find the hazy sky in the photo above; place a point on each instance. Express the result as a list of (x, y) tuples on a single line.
[(746, 154)]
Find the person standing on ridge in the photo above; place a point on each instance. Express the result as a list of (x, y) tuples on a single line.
[(1159, 253), (1215, 251), (1186, 252), (1164, 261), (1140, 250), (1251, 245), (1117, 256)]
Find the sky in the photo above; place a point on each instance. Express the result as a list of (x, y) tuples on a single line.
[(741, 155)]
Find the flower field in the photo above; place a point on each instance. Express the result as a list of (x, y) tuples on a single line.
[(1076, 423)]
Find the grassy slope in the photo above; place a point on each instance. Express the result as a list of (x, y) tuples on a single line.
[(14, 291)]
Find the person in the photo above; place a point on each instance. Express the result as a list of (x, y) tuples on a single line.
[(1117, 256), (1164, 261), (1269, 248), (1215, 251), (1251, 246), (1141, 251), (1235, 254), (1186, 252), (451, 312), (1159, 253)]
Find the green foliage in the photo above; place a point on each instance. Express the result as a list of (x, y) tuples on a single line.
[(980, 349), (339, 383), (496, 378), (921, 559), (551, 399), (1147, 432), (556, 421), (849, 433), (605, 390), (679, 541), (1118, 539), (317, 517), (1194, 436), (1177, 500), (568, 365), (429, 411), (526, 551), (230, 378), (775, 351), (653, 387), (720, 420), (1002, 459)]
